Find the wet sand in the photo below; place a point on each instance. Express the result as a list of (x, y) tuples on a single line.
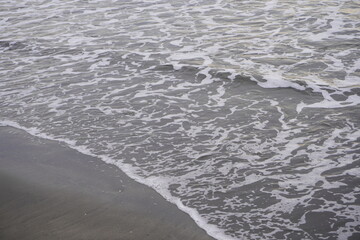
[(49, 191)]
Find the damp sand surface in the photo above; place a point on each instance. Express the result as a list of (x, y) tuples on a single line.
[(49, 191)]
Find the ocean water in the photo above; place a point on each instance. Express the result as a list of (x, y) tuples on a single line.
[(245, 114)]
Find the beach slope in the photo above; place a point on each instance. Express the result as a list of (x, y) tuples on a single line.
[(49, 191)]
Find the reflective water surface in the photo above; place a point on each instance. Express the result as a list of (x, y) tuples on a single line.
[(243, 113)]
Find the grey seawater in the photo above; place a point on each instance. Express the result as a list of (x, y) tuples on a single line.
[(244, 113)]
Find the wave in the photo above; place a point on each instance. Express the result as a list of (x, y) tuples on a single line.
[(333, 97)]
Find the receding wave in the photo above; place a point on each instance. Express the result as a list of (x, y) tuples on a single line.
[(243, 113)]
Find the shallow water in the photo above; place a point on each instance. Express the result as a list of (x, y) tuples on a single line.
[(243, 113)]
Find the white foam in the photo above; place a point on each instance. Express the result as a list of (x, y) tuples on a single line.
[(269, 5), (100, 59)]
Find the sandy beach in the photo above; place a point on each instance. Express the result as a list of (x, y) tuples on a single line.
[(49, 191)]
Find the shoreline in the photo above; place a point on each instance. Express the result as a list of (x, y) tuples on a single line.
[(52, 191)]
